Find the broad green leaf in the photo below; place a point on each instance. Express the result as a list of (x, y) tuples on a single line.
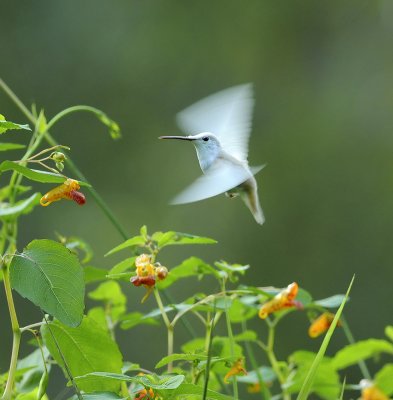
[(6, 125), (180, 357), (34, 175), (193, 266), (359, 351), (94, 274), (389, 332), (326, 383), (100, 396), (172, 238), (240, 312), (33, 365), (136, 318), (383, 379), (246, 336), (86, 349), (312, 371), (187, 389), (98, 315), (126, 265), (51, 277), (11, 146), (111, 294), (331, 302), (21, 207), (30, 396), (155, 382), (136, 241), (266, 373)]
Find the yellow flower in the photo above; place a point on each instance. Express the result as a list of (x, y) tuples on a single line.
[(67, 190), (282, 300), (236, 369), (371, 392), (321, 324)]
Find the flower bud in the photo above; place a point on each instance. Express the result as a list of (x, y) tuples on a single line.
[(58, 156), (161, 272)]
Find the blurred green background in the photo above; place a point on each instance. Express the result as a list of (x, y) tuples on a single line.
[(323, 75)]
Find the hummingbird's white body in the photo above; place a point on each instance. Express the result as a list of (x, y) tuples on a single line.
[(222, 151)]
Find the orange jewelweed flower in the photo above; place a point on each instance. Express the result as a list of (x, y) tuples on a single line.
[(254, 388), (67, 190), (236, 369), (145, 395), (321, 324), (371, 392), (282, 300)]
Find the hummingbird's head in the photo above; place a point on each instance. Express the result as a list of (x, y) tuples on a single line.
[(207, 146)]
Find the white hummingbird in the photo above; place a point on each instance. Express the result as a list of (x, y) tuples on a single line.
[(224, 119)]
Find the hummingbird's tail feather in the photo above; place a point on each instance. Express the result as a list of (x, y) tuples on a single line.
[(250, 198)]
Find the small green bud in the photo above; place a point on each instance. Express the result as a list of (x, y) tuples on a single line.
[(60, 166), (58, 156)]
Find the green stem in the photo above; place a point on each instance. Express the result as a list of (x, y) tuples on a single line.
[(269, 349), (16, 334), (231, 343), (71, 110), (168, 325), (265, 393), (347, 331)]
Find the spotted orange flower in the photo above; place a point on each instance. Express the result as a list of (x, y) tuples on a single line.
[(67, 190), (236, 369), (321, 324), (282, 300)]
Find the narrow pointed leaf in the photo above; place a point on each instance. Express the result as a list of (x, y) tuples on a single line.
[(21, 207), (11, 146)]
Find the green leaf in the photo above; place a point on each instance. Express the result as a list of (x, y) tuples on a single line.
[(100, 396), (191, 267), (361, 350), (11, 146), (136, 318), (331, 302), (246, 336), (98, 315), (34, 175), (51, 277), (389, 332), (31, 395), (6, 125), (326, 383), (86, 349), (266, 373), (172, 238), (126, 265), (383, 379), (187, 389), (240, 312), (21, 207), (78, 246), (136, 241), (180, 357), (114, 299), (312, 371), (94, 274)]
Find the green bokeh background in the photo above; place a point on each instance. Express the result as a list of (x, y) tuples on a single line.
[(323, 75)]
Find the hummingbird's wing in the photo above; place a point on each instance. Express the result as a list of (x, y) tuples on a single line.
[(226, 114), (222, 176)]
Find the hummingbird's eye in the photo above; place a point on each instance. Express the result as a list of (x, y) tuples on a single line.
[(205, 139)]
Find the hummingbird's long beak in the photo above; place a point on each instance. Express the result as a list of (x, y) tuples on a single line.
[(177, 137)]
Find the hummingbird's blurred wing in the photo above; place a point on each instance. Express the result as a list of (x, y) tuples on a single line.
[(222, 176), (226, 114)]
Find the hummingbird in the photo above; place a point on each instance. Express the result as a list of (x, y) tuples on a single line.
[(219, 127)]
